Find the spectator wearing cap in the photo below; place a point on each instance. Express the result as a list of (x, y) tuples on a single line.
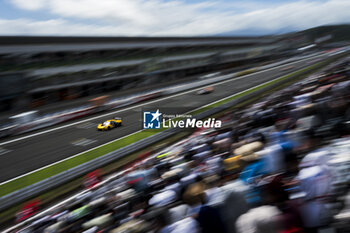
[(208, 217)]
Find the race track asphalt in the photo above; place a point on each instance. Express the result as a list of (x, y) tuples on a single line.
[(22, 156)]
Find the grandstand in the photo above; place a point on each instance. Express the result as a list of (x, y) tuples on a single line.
[(65, 68)]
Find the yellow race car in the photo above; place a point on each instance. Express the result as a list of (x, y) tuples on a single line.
[(110, 124)]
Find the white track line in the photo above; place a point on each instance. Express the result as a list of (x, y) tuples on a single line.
[(142, 129), (146, 103)]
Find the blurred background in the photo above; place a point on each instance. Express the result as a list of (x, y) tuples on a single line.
[(280, 164)]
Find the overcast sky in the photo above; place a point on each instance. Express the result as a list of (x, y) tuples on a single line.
[(167, 17)]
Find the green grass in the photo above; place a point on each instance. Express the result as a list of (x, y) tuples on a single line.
[(114, 145)]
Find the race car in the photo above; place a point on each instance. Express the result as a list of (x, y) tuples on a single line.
[(110, 124), (206, 90)]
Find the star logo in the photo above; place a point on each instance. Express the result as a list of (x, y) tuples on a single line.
[(151, 120), (156, 115)]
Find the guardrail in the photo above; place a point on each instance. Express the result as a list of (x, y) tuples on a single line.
[(80, 170)]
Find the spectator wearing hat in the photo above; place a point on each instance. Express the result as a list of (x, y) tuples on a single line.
[(208, 217)]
